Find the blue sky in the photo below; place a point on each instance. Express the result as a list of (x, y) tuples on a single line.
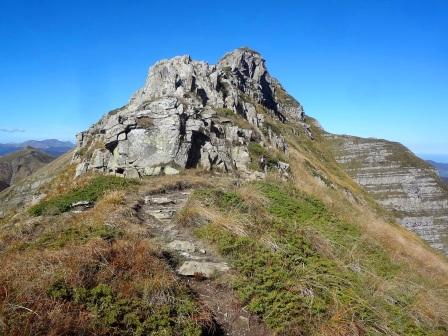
[(370, 68)]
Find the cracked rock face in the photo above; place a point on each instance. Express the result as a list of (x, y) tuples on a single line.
[(400, 182), (178, 119)]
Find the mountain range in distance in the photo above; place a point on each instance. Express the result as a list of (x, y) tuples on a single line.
[(53, 147), (442, 168)]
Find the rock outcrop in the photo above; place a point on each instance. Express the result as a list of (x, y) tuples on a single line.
[(400, 182), (191, 114)]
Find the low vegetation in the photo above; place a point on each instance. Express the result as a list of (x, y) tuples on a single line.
[(98, 287), (306, 272), (236, 119), (256, 151), (96, 273), (297, 263), (89, 192)]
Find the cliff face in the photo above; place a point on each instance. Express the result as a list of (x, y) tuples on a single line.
[(184, 117), (16, 166), (400, 182)]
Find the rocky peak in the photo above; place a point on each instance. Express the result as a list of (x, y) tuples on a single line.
[(248, 68), (180, 118), (248, 64)]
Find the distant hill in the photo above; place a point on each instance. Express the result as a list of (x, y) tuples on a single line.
[(8, 148), (51, 146), (18, 165), (442, 168)]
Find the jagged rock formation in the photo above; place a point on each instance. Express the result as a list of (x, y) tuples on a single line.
[(184, 117), (400, 182), (16, 166)]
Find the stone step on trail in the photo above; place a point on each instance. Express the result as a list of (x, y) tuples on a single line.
[(200, 265), (162, 213), (162, 208), (205, 268)]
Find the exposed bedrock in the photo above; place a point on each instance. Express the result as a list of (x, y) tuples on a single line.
[(400, 182), (186, 115)]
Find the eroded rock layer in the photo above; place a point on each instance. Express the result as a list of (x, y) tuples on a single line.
[(400, 182)]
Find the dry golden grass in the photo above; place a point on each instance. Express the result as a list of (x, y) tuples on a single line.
[(25, 280), (190, 215), (128, 262)]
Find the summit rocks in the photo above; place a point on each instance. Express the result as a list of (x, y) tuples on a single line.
[(191, 114)]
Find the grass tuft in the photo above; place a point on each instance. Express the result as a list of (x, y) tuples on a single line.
[(90, 192), (256, 151)]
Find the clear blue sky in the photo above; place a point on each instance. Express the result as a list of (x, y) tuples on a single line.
[(369, 68)]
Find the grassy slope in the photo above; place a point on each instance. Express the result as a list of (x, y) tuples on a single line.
[(95, 272), (304, 270), (318, 256), (314, 255), (20, 194)]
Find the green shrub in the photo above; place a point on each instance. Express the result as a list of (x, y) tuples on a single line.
[(256, 151), (222, 199), (90, 192), (73, 235), (131, 316), (59, 290)]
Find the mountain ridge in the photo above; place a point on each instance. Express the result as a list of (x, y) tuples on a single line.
[(51, 146), (184, 117), (18, 165), (202, 240)]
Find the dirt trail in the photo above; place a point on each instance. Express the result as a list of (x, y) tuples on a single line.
[(200, 268)]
